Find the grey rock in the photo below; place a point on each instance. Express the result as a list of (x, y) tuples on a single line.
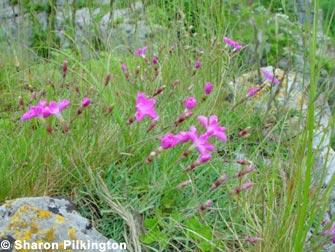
[(48, 220), (126, 26), (83, 18)]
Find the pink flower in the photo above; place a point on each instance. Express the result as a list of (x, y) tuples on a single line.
[(269, 76), (85, 102), (44, 110), (124, 68), (35, 111), (155, 60), (208, 88), (141, 52), (190, 103), (253, 91), (197, 64), (55, 108), (204, 158), (169, 141), (183, 137), (213, 127), (145, 107), (201, 144), (232, 43), (330, 232)]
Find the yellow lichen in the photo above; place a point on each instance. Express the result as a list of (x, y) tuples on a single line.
[(34, 228), (59, 218), (43, 214), (23, 235), (50, 235), (71, 232)]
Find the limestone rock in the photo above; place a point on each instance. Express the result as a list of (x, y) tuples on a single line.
[(126, 26), (44, 219)]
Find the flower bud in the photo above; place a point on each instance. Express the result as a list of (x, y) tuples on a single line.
[(124, 68), (154, 60), (253, 239), (206, 205), (152, 125), (243, 187), (223, 178), (208, 88), (245, 171), (183, 117), (21, 102), (243, 162), (108, 79), (49, 128), (175, 84), (65, 68), (197, 64), (85, 102), (159, 90), (184, 184), (153, 154), (109, 110), (137, 71), (244, 133), (131, 120)]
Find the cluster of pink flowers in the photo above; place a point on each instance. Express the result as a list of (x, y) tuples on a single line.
[(45, 109), (199, 141)]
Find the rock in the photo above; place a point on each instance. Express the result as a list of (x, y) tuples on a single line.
[(83, 17), (125, 26), (48, 220)]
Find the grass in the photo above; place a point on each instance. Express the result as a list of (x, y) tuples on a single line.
[(100, 162)]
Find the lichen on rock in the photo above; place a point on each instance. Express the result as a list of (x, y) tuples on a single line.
[(45, 219)]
